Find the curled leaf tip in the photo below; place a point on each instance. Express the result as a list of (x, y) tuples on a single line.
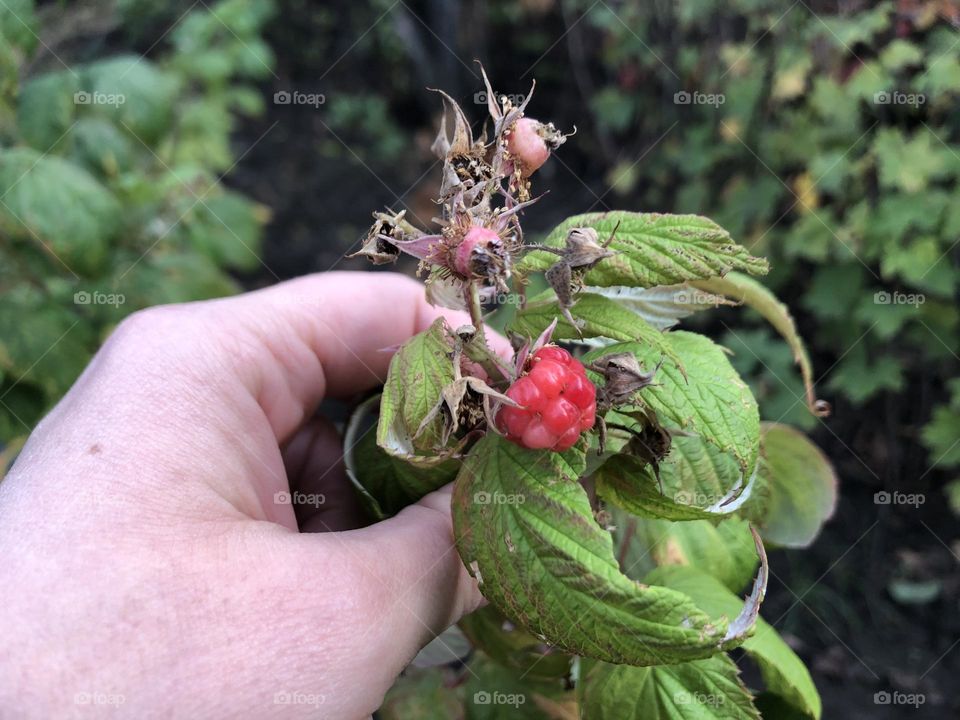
[(744, 622)]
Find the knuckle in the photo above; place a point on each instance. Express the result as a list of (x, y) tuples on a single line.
[(157, 331), (148, 323)]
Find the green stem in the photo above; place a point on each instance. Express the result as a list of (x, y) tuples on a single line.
[(476, 309), (479, 350)]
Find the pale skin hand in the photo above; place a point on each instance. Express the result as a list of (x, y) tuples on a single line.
[(143, 559)]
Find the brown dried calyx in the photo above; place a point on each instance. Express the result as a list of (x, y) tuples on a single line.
[(466, 171), (622, 379), (581, 252), (651, 444), (380, 244), (648, 441), (465, 402)]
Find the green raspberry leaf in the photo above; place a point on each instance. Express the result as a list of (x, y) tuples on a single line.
[(708, 689), (52, 203), (19, 25), (525, 529), (422, 695), (783, 672), (386, 484), (46, 108), (711, 401), (725, 550), (418, 373), (140, 95), (601, 317), (513, 647), (663, 306), (801, 487), (653, 249), (495, 692), (744, 289), (700, 482)]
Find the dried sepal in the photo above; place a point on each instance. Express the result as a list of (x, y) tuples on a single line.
[(478, 358), (465, 402), (465, 168), (651, 445), (383, 241), (524, 349), (649, 441), (623, 378), (583, 249), (581, 252)]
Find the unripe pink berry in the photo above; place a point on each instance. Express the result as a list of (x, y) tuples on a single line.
[(527, 144), (476, 237)]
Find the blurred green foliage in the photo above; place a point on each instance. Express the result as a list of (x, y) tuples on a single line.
[(827, 143), (110, 199)]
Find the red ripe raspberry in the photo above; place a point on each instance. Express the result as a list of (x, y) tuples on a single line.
[(557, 402)]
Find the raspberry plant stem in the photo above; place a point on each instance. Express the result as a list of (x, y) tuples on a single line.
[(476, 308)]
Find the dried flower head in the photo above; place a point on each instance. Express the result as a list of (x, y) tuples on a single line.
[(483, 190), (623, 378)]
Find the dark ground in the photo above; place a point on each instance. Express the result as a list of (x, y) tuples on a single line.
[(832, 601)]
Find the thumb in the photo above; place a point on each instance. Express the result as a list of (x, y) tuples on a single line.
[(407, 583), (434, 587)]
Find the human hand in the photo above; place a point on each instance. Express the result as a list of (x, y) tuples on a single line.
[(145, 561)]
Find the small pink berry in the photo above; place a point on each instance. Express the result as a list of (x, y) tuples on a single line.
[(476, 236), (526, 143)]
